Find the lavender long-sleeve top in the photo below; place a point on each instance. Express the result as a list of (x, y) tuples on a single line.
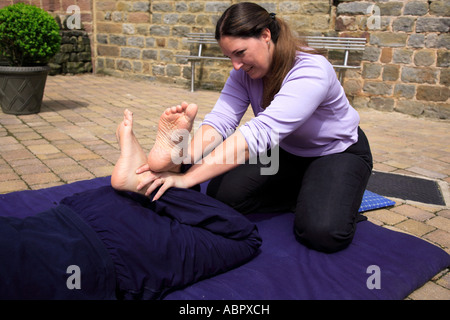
[(310, 116)]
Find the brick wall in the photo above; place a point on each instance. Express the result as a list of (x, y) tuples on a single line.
[(58, 8), (75, 53)]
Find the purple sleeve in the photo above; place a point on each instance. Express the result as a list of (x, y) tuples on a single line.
[(309, 116), (303, 90)]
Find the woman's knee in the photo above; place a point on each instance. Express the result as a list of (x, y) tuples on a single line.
[(327, 239)]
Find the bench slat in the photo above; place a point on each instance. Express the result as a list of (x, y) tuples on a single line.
[(335, 47), (202, 57), (336, 43), (319, 42)]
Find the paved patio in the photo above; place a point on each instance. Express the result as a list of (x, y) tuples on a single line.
[(73, 138)]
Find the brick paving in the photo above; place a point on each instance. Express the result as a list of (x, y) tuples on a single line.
[(73, 138)]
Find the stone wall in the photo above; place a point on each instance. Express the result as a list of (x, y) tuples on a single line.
[(405, 64), (142, 38), (404, 68), (74, 57)]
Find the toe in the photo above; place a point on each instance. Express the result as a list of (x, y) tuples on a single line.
[(171, 110), (191, 111)]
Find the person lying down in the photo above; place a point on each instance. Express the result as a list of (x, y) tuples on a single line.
[(115, 243)]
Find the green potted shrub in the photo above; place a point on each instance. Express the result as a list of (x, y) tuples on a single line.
[(29, 38)]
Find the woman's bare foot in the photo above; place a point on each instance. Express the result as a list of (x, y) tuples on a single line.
[(132, 156), (172, 138)]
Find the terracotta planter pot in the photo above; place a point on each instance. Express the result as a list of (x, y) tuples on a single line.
[(22, 89)]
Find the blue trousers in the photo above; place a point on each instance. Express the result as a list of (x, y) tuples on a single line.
[(122, 245)]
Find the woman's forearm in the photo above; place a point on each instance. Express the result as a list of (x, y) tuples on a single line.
[(232, 152), (204, 141)]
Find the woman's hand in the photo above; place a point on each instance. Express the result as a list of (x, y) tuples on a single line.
[(163, 180), (143, 168)]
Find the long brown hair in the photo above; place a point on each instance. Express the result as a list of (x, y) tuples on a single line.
[(247, 20)]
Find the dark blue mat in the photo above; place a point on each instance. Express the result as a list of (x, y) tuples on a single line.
[(379, 264), (394, 262)]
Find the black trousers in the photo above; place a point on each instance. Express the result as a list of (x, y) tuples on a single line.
[(324, 192)]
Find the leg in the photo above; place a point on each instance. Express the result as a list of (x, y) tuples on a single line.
[(131, 157), (174, 127), (39, 253), (168, 243), (240, 188), (329, 199), (246, 190)]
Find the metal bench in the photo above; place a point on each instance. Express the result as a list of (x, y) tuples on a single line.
[(338, 43), (345, 44), (200, 39)]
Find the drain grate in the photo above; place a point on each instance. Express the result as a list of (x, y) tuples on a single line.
[(405, 187)]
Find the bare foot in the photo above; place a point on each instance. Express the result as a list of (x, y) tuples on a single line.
[(132, 156), (170, 147)]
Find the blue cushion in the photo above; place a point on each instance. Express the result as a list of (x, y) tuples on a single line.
[(373, 201)]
